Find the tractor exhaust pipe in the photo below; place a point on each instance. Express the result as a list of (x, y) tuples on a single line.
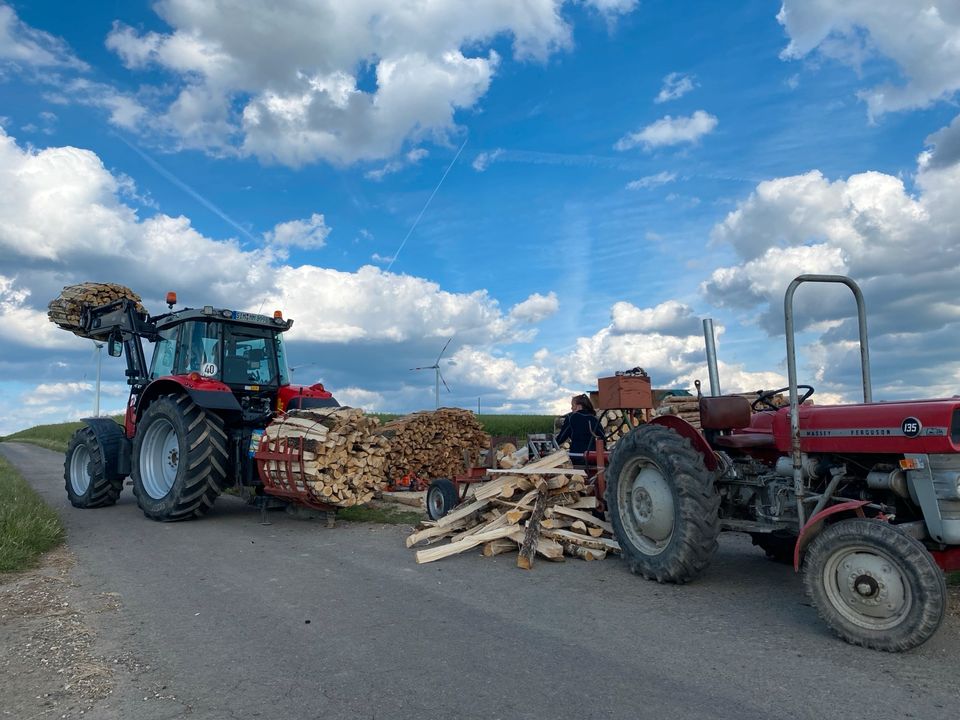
[(711, 357)]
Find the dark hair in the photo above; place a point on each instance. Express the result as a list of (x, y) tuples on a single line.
[(584, 402)]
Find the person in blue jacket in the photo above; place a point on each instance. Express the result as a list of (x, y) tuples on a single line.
[(581, 427)]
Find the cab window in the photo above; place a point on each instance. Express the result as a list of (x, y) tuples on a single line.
[(164, 353), (200, 349)]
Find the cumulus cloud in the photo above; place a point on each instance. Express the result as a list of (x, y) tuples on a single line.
[(922, 38), (27, 46), (944, 147), (535, 308), (675, 86), (310, 233), (670, 131), (348, 82), (652, 181), (900, 247), (668, 318)]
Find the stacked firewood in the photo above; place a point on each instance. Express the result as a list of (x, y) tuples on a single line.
[(65, 309), (615, 424), (344, 462), (684, 406), (542, 509), (432, 444)]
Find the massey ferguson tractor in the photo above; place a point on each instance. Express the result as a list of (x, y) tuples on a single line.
[(864, 498), (194, 417)]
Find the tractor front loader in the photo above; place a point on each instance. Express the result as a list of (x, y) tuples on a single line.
[(194, 416), (863, 498)]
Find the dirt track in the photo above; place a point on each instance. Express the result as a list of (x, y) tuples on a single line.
[(227, 618)]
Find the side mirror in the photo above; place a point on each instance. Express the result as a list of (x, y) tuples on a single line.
[(114, 346)]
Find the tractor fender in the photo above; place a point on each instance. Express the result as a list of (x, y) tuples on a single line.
[(113, 445), (815, 525), (685, 429), (208, 394)]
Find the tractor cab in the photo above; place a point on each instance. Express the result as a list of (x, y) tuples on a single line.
[(242, 350)]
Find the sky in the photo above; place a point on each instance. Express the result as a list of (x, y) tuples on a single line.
[(566, 188)]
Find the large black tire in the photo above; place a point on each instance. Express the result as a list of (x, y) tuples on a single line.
[(663, 504), (179, 459), (874, 585), (777, 546), (442, 497), (89, 468)]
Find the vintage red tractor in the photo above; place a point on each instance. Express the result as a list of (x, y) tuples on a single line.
[(864, 498), (194, 417)]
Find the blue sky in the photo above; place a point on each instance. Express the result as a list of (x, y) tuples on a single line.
[(613, 171)]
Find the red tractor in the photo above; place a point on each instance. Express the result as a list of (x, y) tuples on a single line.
[(864, 499), (195, 416)]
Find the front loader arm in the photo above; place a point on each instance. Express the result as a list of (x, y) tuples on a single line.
[(120, 322)]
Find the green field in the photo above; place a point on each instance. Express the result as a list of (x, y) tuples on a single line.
[(28, 528), (56, 437)]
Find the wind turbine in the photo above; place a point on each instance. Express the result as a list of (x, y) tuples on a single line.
[(436, 368)]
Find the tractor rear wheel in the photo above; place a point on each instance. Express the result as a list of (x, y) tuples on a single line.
[(442, 497), (88, 480), (874, 585), (663, 504), (179, 459)]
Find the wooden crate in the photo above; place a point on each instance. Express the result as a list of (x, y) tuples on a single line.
[(628, 392)]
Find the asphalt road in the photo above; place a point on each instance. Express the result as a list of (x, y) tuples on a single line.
[(293, 620)]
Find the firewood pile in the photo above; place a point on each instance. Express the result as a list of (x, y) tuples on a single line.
[(432, 444), (615, 424), (65, 309), (344, 461), (542, 509), (684, 406)]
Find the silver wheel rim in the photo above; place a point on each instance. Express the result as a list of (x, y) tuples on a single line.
[(648, 508), (159, 458), (867, 587), (80, 470), (436, 502)]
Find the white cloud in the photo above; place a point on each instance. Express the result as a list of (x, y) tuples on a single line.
[(411, 158), (945, 146), (675, 85), (536, 308), (483, 160), (922, 38), (24, 45), (310, 233), (667, 318), (308, 97), (901, 249), (670, 131), (651, 181)]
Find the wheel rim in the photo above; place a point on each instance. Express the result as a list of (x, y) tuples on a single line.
[(80, 470), (435, 502), (867, 587), (648, 507), (159, 458)]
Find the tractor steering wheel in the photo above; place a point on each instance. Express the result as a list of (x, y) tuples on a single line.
[(764, 399)]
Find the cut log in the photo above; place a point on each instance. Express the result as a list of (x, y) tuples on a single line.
[(529, 545), (590, 542), (431, 554), (496, 547), (585, 517)]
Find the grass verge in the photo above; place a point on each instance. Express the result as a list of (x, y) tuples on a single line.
[(28, 528), (379, 514), (52, 437)]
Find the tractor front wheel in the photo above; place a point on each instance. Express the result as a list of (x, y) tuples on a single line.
[(874, 585), (663, 504), (89, 482), (179, 459)]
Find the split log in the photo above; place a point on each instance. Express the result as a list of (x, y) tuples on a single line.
[(431, 554), (529, 545)]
